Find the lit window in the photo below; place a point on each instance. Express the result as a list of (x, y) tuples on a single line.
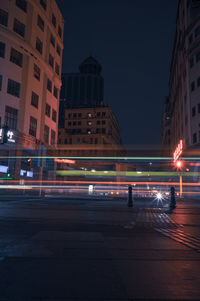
[(89, 115), (19, 27), (3, 17), (13, 88), (16, 57)]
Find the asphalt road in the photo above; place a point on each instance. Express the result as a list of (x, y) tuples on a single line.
[(56, 249)]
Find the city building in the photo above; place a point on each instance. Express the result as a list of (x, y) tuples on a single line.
[(31, 46), (181, 116), (97, 125), (83, 89)]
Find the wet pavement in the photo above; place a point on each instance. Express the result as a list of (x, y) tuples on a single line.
[(56, 249)]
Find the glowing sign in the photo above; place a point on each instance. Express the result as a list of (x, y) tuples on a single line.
[(10, 135), (178, 150), (57, 160)]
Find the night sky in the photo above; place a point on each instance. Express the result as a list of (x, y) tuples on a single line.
[(133, 41)]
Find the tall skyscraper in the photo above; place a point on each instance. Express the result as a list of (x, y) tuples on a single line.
[(31, 45), (181, 114), (83, 89)]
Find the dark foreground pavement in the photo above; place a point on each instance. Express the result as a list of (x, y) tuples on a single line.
[(97, 250)]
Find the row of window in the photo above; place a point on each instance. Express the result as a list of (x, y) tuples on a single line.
[(33, 131), (22, 4), (51, 63), (79, 141), (49, 88), (88, 123), (46, 135), (86, 131), (48, 112), (18, 26), (16, 57), (79, 115)]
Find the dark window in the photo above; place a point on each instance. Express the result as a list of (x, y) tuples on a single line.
[(191, 62), (69, 115), (190, 39), (197, 31), (0, 82), (193, 111), (194, 138), (48, 110), (13, 88), (103, 114), (58, 49), (16, 57), (39, 45), (40, 22), (65, 141), (53, 20), (98, 121), (198, 81), (96, 141), (49, 85), (74, 115), (198, 57), (103, 131), (3, 17), (53, 137), (192, 86), (79, 123), (19, 28), (79, 115), (43, 4), (69, 123), (55, 92), (33, 126), (97, 131), (74, 123), (98, 114), (52, 40), (103, 122), (22, 4), (70, 140), (34, 99), (51, 60), (59, 31), (54, 115), (11, 117), (36, 72), (2, 49), (199, 108), (57, 69), (46, 134)]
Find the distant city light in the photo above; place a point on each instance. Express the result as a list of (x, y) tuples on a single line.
[(159, 196)]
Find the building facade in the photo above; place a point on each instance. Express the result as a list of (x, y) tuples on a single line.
[(31, 45), (83, 89), (97, 125), (181, 116)]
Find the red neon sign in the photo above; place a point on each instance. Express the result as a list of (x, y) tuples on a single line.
[(178, 150), (57, 160)]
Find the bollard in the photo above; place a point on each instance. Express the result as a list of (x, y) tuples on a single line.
[(130, 198), (173, 199)]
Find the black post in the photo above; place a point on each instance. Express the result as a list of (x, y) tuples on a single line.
[(130, 198), (173, 199)]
